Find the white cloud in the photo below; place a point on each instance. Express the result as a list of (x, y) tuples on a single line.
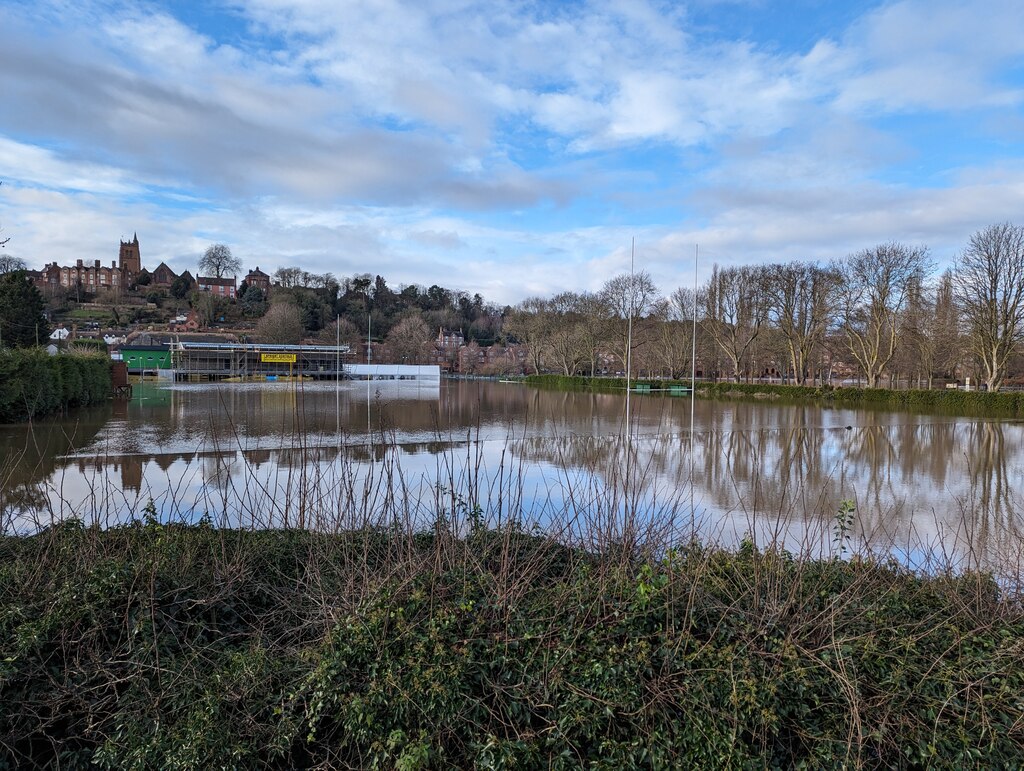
[(486, 145), (918, 54), (39, 166)]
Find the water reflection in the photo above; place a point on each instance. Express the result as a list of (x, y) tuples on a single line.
[(266, 454)]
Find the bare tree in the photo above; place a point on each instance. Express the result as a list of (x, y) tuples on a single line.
[(989, 286), (567, 333), (595, 329), (674, 333), (946, 334), (801, 298), (915, 351), (875, 285), (528, 323), (735, 311), (347, 334), (281, 324), (9, 264), (628, 296), (218, 261), (409, 340), (288, 277)]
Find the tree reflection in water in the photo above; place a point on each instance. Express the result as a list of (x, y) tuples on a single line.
[(268, 455)]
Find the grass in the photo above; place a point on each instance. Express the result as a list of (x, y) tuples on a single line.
[(102, 317)]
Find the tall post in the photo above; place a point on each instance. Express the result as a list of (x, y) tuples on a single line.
[(337, 380), (629, 331), (693, 370)]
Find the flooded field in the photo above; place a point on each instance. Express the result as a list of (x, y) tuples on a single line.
[(372, 454)]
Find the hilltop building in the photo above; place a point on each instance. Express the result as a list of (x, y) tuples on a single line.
[(163, 275), (130, 259), (222, 287), (93, 276), (258, 279)]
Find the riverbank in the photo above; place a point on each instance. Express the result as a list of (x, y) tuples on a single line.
[(34, 384), (156, 646), (941, 400)]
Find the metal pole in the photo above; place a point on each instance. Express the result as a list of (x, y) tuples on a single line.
[(629, 330), (337, 381), (693, 370)]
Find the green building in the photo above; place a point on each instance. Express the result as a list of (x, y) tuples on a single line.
[(141, 358)]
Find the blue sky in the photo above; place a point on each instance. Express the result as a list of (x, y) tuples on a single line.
[(507, 148)]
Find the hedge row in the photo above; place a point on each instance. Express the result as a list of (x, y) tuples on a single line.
[(33, 383), (944, 400), (191, 647)]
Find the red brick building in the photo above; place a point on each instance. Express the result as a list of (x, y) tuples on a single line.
[(94, 276), (163, 275), (130, 258), (258, 279), (222, 287)]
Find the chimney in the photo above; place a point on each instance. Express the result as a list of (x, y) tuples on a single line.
[(79, 263), (97, 263)]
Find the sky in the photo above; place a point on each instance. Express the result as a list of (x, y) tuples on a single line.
[(507, 148)]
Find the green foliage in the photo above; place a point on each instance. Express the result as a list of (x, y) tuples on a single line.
[(22, 323), (180, 287), (166, 646), (252, 301), (841, 532), (33, 384), (580, 382)]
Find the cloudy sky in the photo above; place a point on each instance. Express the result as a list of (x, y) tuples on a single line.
[(509, 148)]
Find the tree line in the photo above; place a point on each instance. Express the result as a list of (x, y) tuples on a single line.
[(302, 305), (882, 315)]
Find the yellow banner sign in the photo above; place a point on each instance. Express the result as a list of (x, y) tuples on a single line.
[(278, 358)]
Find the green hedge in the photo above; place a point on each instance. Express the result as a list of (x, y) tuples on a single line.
[(579, 382), (945, 400), (190, 647), (33, 383)]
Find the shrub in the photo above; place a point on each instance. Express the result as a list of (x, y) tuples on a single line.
[(158, 646), (33, 383)]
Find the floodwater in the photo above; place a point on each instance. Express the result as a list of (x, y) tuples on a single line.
[(356, 454)]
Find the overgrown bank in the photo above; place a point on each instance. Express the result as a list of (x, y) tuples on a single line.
[(945, 400), (33, 384), (191, 647)]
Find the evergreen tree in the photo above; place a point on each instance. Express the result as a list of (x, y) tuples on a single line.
[(22, 323)]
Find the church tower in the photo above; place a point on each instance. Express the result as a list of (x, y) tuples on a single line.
[(130, 260)]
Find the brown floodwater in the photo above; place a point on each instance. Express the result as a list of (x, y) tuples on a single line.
[(313, 454)]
